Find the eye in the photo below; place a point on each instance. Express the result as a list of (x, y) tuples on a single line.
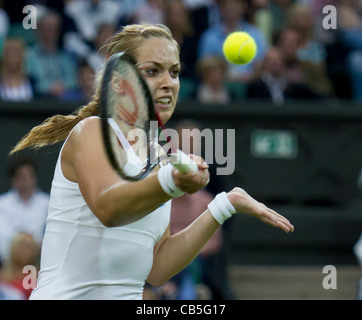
[(174, 73), (150, 72)]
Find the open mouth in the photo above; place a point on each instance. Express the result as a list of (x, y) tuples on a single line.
[(163, 103)]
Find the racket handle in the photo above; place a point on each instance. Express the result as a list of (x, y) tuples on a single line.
[(183, 163)]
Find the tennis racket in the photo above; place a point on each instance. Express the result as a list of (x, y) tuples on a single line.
[(127, 113)]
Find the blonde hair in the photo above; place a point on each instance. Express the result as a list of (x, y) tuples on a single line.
[(56, 128)]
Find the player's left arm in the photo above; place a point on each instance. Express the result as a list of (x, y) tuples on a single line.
[(174, 252)]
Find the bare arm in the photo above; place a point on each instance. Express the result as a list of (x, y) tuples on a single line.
[(175, 252), (114, 201)]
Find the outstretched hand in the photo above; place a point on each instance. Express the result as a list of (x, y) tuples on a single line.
[(244, 203)]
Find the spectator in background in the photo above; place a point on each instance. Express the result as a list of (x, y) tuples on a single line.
[(152, 11), (211, 41), (85, 88), (6, 234), (300, 19), (24, 252), (259, 14), (288, 43), (213, 85), (15, 8), (295, 71), (350, 34), (128, 8), (82, 20), (24, 207), (15, 85), (98, 55), (52, 69), (4, 27), (204, 14), (273, 83), (8, 292), (279, 10), (310, 54), (178, 19)]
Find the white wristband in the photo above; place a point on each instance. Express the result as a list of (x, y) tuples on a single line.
[(221, 208), (166, 181)]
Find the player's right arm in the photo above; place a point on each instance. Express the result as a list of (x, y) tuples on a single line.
[(114, 201)]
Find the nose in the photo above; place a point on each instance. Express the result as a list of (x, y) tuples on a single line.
[(166, 81)]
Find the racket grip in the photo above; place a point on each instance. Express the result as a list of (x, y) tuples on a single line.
[(183, 163)]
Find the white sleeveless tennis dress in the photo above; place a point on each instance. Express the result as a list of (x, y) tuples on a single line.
[(82, 259)]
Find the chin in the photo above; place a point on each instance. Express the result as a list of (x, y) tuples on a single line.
[(165, 115)]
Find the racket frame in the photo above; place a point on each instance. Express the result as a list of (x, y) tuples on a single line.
[(122, 57)]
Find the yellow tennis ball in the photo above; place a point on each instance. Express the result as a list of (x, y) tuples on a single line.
[(239, 47)]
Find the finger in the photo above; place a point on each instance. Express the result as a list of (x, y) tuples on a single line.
[(274, 220), (194, 184), (203, 166), (270, 220), (201, 163), (287, 227), (284, 226), (283, 219), (191, 177)]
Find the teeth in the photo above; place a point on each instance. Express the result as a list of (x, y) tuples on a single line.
[(163, 100)]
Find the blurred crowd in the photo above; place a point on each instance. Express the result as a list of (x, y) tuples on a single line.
[(297, 58), (58, 55)]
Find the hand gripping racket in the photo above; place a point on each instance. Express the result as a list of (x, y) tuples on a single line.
[(127, 111)]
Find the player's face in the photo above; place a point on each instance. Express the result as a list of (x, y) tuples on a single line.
[(159, 62)]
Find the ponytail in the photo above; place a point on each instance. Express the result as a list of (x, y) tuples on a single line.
[(56, 128)]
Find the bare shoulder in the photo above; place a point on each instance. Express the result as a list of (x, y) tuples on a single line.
[(85, 138), (90, 125), (87, 131)]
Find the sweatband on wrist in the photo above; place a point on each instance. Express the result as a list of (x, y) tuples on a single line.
[(166, 181), (221, 208)]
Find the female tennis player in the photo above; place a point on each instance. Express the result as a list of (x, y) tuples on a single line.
[(106, 236)]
